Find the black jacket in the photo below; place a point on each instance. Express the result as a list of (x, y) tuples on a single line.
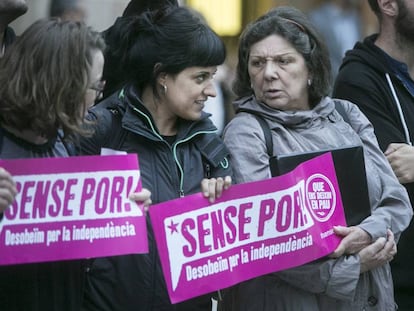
[(362, 80), (135, 282)]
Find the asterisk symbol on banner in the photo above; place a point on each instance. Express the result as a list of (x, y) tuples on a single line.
[(173, 227)]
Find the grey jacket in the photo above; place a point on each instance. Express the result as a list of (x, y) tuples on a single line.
[(327, 284)]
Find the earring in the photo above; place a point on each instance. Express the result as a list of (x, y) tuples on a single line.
[(165, 88), (309, 82)]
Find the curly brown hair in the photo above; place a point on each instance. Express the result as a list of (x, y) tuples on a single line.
[(45, 75)]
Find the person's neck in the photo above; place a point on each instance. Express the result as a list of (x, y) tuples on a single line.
[(27, 135), (164, 120), (398, 48)]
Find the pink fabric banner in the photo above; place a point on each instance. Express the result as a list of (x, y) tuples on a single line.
[(72, 208), (254, 229)]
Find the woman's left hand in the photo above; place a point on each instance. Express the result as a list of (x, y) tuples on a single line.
[(354, 240), (378, 253), (212, 188)]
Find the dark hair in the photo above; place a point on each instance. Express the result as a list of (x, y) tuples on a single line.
[(374, 7), (168, 41), (45, 75), (59, 7), (293, 26), (113, 73), (136, 7)]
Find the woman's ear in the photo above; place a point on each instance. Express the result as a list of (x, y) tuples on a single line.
[(389, 7), (161, 76)]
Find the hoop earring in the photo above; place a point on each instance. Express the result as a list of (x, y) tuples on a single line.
[(165, 88)]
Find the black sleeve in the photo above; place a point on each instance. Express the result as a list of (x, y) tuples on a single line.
[(375, 102), (98, 121)]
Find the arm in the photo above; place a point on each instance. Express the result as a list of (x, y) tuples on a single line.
[(401, 158), (391, 208), (338, 278)]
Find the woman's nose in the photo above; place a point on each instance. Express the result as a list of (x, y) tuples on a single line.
[(270, 70), (210, 89)]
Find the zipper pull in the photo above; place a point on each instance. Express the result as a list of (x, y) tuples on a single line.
[(207, 170), (181, 193)]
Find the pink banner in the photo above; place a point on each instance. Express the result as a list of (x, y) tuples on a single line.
[(72, 208), (254, 229)]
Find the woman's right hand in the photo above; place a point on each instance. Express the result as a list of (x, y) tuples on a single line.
[(378, 253), (8, 190), (143, 197), (212, 188)]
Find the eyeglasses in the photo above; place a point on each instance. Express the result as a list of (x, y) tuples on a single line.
[(98, 87)]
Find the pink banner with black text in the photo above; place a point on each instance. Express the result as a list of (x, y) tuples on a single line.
[(253, 229), (72, 208)]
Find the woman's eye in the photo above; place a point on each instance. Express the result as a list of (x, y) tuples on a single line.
[(201, 78), (257, 63), (284, 61)]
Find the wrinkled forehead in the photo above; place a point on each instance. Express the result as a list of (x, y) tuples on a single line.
[(271, 46)]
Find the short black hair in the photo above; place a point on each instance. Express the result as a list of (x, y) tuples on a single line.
[(136, 7), (374, 7), (167, 41)]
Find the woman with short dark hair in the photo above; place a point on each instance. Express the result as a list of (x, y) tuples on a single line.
[(169, 58)]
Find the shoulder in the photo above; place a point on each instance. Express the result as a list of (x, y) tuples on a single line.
[(104, 112), (363, 64), (355, 117), (241, 124), (243, 131), (349, 108)]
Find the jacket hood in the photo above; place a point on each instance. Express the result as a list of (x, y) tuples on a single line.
[(298, 119), (368, 53)]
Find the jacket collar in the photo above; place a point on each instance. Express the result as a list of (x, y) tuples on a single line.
[(303, 118)]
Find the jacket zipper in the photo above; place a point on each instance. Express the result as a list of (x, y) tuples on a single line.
[(181, 193), (180, 168)]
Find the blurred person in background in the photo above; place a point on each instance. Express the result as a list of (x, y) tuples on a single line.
[(9, 11), (339, 23), (67, 10), (378, 76)]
